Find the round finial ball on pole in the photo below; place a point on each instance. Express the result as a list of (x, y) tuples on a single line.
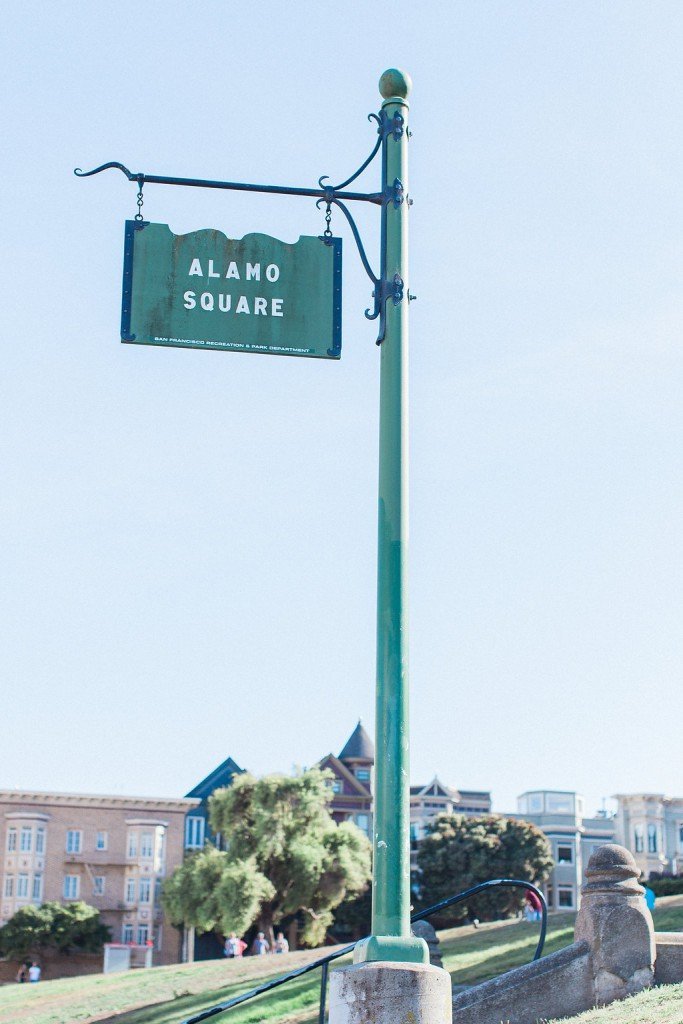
[(395, 84)]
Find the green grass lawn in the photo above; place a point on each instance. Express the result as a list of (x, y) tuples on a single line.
[(163, 993), (656, 1006), (166, 995), (472, 955)]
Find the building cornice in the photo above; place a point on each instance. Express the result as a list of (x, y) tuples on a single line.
[(152, 822), (26, 816), (641, 796), (30, 799)]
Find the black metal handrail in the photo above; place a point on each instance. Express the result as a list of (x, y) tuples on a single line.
[(325, 961)]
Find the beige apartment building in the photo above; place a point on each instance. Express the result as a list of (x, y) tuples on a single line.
[(651, 826), (112, 852), (573, 839)]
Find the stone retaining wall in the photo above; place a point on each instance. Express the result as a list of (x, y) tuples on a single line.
[(616, 954)]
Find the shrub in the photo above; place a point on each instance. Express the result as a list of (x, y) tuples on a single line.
[(666, 886)]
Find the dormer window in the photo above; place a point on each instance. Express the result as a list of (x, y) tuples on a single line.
[(363, 774)]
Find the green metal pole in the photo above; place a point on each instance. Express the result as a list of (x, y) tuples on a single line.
[(391, 937)]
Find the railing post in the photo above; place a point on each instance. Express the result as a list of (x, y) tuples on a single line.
[(323, 991)]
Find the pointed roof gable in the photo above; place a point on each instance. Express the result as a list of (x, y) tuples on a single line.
[(341, 771), (436, 788), (219, 777), (359, 746)]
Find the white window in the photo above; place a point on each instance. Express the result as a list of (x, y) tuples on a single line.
[(74, 840), (98, 885), (9, 886), (40, 839), (535, 803), (22, 886), (132, 844), (157, 891), (71, 887), (101, 840), (565, 854), (11, 840), (362, 821), (127, 933), (680, 835), (651, 838), (37, 893), (145, 890), (559, 804), (26, 839), (363, 774), (147, 844), (143, 934), (337, 786), (565, 897), (130, 890), (639, 838), (194, 833)]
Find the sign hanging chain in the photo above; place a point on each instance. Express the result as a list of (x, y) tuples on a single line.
[(327, 233), (138, 215)]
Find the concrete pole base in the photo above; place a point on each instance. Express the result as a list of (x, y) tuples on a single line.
[(385, 992)]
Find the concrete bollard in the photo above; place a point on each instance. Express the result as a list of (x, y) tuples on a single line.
[(384, 992), (425, 930), (617, 925)]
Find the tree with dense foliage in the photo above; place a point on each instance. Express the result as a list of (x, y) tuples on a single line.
[(211, 892), (459, 852), (284, 855), (353, 917), (32, 931)]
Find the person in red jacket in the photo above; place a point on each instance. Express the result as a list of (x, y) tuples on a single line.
[(533, 906)]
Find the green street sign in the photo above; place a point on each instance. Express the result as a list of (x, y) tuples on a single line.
[(254, 294)]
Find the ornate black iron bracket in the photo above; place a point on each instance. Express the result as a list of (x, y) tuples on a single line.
[(383, 289), (388, 125), (235, 186)]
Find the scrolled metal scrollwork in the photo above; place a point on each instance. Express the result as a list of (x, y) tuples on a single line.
[(383, 290), (104, 167)]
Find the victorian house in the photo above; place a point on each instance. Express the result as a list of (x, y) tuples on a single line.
[(351, 786)]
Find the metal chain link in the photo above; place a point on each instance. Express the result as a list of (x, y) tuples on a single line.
[(327, 233), (138, 215)]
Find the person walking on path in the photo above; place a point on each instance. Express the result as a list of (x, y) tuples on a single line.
[(260, 945), (34, 973), (281, 944)]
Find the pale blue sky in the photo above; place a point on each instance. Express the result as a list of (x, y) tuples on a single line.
[(189, 537)]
